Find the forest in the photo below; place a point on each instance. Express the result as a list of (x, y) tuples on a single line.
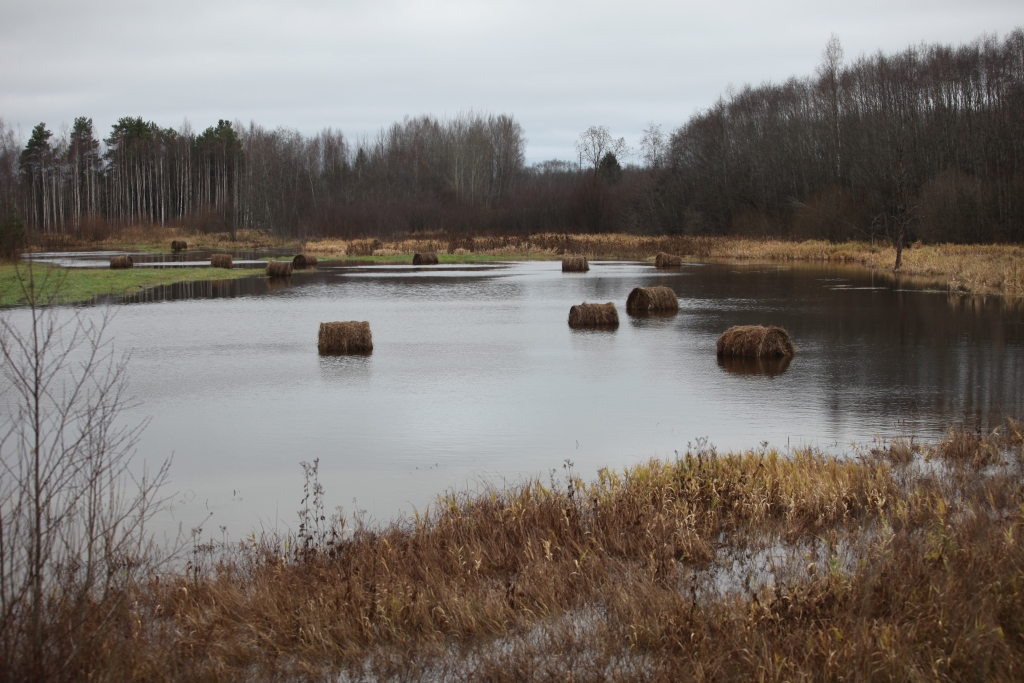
[(929, 141)]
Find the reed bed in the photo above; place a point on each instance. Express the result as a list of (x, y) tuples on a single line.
[(756, 341), (604, 316), (901, 563), (426, 258), (279, 268), (575, 264), (222, 261), (663, 260), (645, 300), (350, 337), (121, 261)]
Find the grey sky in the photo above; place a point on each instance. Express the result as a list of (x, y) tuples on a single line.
[(559, 67)]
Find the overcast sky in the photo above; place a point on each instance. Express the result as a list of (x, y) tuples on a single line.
[(558, 67)]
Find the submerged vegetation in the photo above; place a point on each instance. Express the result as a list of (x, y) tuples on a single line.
[(901, 562)]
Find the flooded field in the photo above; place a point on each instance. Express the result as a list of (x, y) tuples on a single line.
[(476, 377)]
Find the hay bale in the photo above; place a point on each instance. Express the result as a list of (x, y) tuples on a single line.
[(652, 300), (594, 315), (178, 245), (221, 261), (663, 260), (575, 264), (345, 337), (122, 261), (279, 269), (756, 341), (427, 258), (766, 367), (302, 261)]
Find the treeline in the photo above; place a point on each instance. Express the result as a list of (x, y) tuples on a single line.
[(929, 140)]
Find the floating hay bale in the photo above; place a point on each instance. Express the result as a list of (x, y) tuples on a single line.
[(594, 315), (221, 261), (302, 261), (279, 269), (427, 258), (663, 260), (122, 261), (756, 341), (767, 367), (345, 337), (644, 300), (178, 245), (575, 264)]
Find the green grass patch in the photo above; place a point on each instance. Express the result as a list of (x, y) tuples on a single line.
[(69, 285)]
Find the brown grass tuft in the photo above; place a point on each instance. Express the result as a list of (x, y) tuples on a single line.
[(663, 260), (575, 264), (345, 338), (279, 269), (594, 316), (121, 261), (756, 341), (427, 258), (644, 300), (221, 261)]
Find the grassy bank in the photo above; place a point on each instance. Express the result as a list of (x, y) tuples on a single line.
[(903, 563), (980, 269), (67, 285)]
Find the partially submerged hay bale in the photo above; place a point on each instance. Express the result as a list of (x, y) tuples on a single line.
[(426, 258), (345, 337), (221, 261), (302, 261), (652, 300), (178, 245), (664, 260), (575, 264), (756, 341), (122, 261), (767, 367), (279, 269), (594, 315)]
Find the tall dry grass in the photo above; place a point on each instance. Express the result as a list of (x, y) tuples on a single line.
[(901, 563)]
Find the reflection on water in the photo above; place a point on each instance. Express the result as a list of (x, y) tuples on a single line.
[(769, 367), (475, 376)]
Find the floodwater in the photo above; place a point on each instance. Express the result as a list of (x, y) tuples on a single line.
[(476, 377)]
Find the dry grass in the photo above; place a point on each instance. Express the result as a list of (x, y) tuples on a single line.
[(221, 261), (426, 258), (756, 341), (982, 269), (644, 300), (121, 261), (575, 264), (345, 337), (594, 316), (902, 563), (663, 260), (279, 268)]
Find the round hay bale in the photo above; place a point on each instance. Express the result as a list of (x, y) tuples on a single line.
[(122, 261), (586, 316), (644, 300), (178, 245), (664, 260), (575, 264), (221, 261), (302, 261), (279, 269), (344, 338), (766, 367), (427, 258), (756, 341)]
